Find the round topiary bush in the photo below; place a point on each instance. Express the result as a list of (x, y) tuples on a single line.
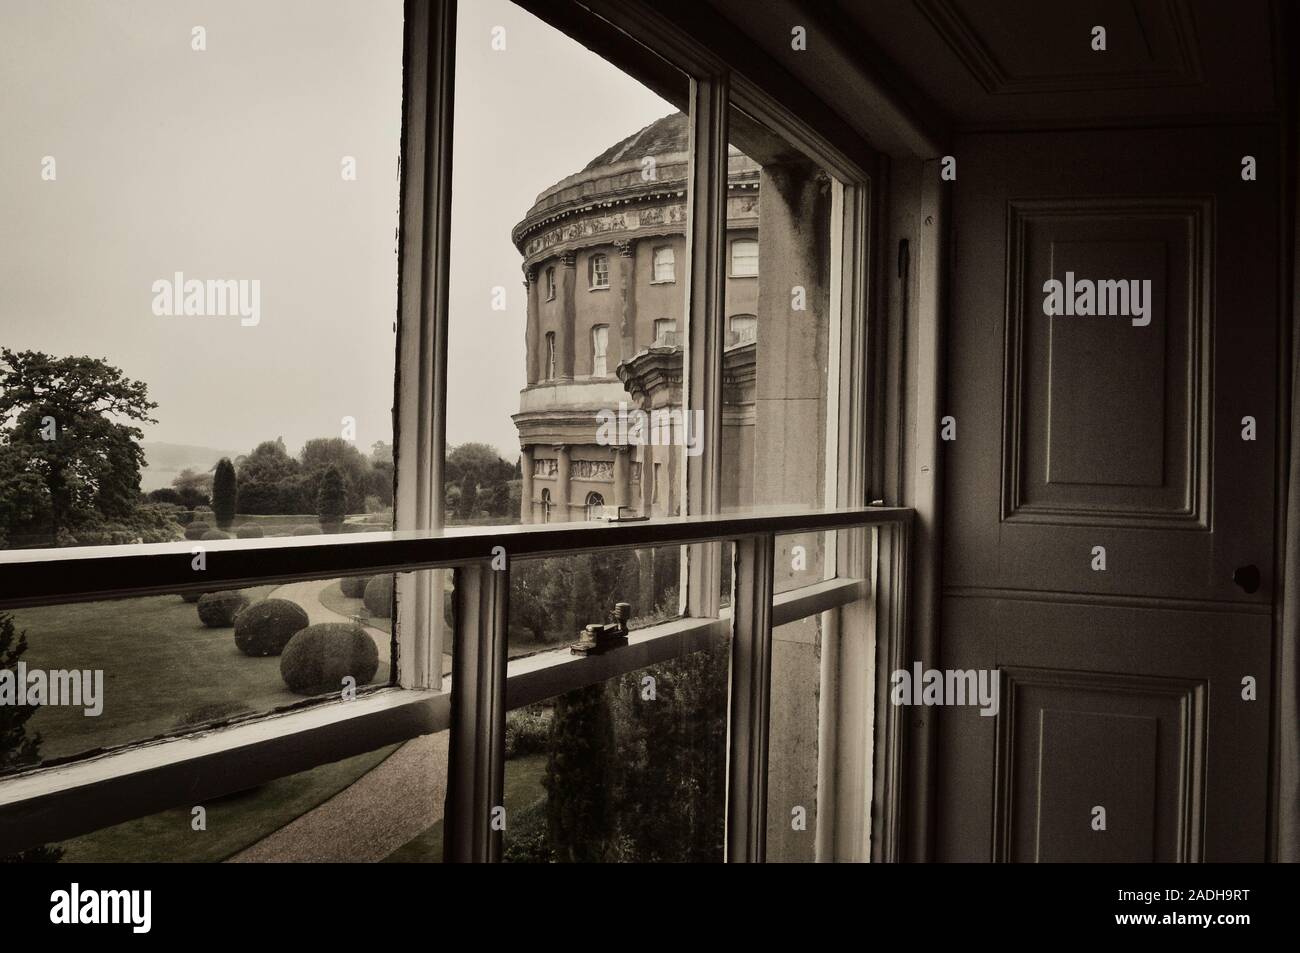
[(307, 529), (318, 658), (215, 534), (266, 627), (354, 587), (249, 531), (379, 597), (217, 610), (196, 529)]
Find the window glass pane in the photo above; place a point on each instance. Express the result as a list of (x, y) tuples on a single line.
[(599, 348), (235, 286), (792, 740), (664, 264), (553, 599), (102, 674), (744, 258), (534, 356), (779, 321), (334, 813), (628, 770)]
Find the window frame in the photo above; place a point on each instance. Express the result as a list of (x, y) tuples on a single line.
[(150, 775), (731, 258), (550, 282), (601, 353), (672, 265), (593, 272)]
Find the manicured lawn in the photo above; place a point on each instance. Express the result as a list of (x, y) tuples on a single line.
[(233, 823), (523, 789), (161, 667), (332, 598)]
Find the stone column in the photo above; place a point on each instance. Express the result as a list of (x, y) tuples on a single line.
[(561, 499), (533, 360), (567, 291), (622, 477), (526, 488), (627, 289)]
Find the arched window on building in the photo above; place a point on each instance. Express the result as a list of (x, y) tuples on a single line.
[(742, 329), (599, 350), (550, 355), (546, 506), (595, 506), (550, 283), (665, 332), (665, 264), (744, 258), (598, 271)]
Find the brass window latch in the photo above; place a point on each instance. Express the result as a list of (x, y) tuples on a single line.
[(597, 638)]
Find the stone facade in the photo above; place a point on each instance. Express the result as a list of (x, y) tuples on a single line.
[(605, 270)]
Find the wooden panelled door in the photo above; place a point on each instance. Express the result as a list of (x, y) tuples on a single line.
[(1109, 496)]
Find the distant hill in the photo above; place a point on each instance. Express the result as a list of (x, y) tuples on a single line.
[(167, 460)]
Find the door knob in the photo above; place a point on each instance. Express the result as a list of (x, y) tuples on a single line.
[(1247, 577)]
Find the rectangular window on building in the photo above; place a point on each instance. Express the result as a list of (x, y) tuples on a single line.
[(599, 350), (664, 264), (550, 284), (665, 332), (742, 329), (744, 258), (550, 355), (598, 271)]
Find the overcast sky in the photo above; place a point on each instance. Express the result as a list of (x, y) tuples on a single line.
[(226, 163)]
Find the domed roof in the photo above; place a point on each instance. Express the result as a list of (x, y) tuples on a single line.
[(668, 134)]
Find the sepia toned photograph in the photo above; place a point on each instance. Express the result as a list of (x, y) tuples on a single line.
[(649, 432)]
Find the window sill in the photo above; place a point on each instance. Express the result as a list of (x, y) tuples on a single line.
[(52, 804)]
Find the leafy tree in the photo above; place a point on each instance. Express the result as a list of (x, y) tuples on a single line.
[(580, 776), (674, 760), (381, 452), (474, 471), (331, 499), (379, 481), (72, 422), (165, 494), (17, 748), (324, 452), (24, 500), (224, 493), (195, 488), (269, 463)]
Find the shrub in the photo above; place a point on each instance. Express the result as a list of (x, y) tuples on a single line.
[(332, 498), (529, 842), (196, 529), (318, 658), (215, 534), (217, 610), (354, 587), (249, 531), (194, 596), (379, 597), (223, 493), (266, 627), (307, 529), (528, 730)]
